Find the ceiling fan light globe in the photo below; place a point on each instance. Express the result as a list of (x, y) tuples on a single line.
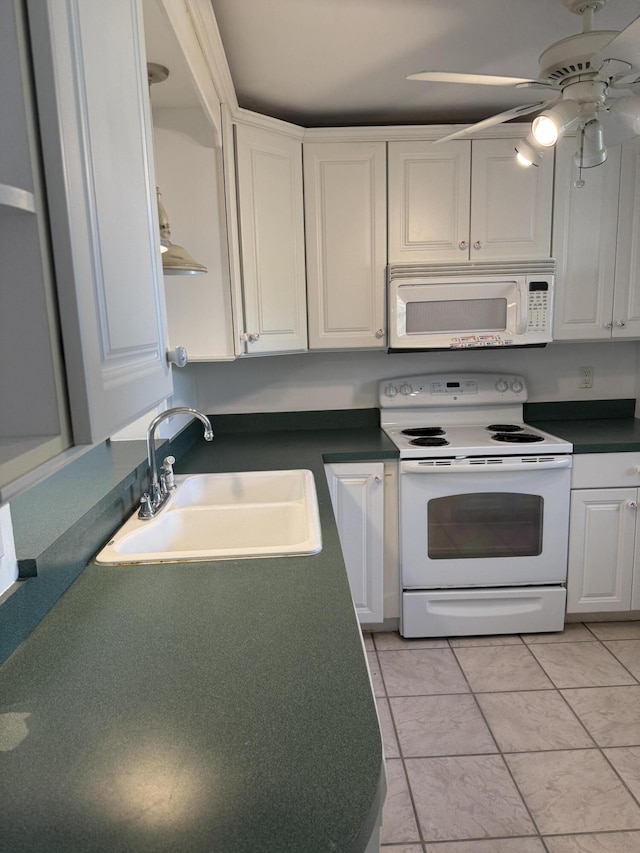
[(522, 160), (550, 125), (545, 131), (591, 149), (528, 153)]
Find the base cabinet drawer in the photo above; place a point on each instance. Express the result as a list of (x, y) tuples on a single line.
[(456, 613)]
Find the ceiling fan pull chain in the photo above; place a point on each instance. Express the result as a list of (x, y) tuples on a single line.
[(579, 181)]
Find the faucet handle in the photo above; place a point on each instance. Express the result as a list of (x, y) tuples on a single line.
[(146, 510)]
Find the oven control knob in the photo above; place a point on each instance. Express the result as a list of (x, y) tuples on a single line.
[(501, 386), (517, 386), (390, 390), (406, 389)]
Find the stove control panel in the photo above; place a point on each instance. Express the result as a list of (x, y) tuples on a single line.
[(444, 389)]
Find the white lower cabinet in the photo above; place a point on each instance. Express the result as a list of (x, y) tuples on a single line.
[(604, 538), (357, 496)]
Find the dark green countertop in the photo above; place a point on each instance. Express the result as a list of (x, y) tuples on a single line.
[(220, 706), (600, 435)]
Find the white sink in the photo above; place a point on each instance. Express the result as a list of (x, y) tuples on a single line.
[(225, 516)]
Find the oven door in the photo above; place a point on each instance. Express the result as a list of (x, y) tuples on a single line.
[(484, 522)]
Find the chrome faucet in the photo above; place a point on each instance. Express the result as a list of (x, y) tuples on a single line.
[(161, 486)]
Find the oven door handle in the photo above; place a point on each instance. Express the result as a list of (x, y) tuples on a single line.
[(495, 468)]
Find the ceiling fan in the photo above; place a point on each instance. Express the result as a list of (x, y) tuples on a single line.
[(578, 75)]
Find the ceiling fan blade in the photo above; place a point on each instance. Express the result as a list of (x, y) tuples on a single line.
[(474, 79), (624, 47), (498, 119)]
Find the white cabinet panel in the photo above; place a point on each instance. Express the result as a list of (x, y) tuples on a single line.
[(346, 228), (584, 245), (626, 301), (510, 205), (357, 496), (429, 201), (597, 245), (467, 200), (270, 201), (601, 549), (95, 128)]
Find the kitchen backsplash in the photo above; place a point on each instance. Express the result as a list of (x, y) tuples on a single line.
[(342, 380)]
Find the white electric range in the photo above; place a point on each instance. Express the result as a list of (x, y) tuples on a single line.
[(484, 506)]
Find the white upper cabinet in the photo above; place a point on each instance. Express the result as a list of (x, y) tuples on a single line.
[(511, 206), (189, 173), (626, 298), (271, 216), (596, 245), (91, 85), (467, 200), (346, 230), (33, 425), (429, 189), (584, 245)]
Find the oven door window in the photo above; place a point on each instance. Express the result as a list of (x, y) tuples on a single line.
[(485, 524)]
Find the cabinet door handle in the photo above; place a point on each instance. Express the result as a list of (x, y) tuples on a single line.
[(377, 479), (477, 245), (621, 324), (633, 504), (463, 245), (178, 356), (250, 337), (380, 333), (608, 325)]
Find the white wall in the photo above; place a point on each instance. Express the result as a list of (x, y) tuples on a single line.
[(343, 380)]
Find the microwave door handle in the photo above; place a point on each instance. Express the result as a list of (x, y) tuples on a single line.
[(521, 319)]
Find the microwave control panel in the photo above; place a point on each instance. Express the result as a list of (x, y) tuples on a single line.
[(538, 306)]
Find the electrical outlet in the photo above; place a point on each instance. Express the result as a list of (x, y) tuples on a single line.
[(586, 377)]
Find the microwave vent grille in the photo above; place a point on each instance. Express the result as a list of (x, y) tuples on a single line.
[(486, 268)]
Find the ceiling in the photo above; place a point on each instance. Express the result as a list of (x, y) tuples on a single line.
[(344, 62)]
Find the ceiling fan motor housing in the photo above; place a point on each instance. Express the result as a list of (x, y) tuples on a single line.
[(571, 56), (580, 6)]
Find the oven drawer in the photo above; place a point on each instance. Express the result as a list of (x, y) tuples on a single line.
[(469, 612)]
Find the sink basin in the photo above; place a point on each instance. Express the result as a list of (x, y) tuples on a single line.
[(222, 517)]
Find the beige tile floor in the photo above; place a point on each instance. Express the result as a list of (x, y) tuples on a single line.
[(511, 744)]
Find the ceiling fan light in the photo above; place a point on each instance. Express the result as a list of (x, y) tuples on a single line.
[(528, 153), (544, 131), (591, 149), (550, 125)]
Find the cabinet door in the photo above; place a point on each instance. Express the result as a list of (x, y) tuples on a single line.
[(626, 302), (357, 496), (510, 204), (96, 142), (429, 201), (346, 230), (601, 549), (584, 245), (269, 172)]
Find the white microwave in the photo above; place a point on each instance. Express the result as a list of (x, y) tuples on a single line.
[(470, 306)]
